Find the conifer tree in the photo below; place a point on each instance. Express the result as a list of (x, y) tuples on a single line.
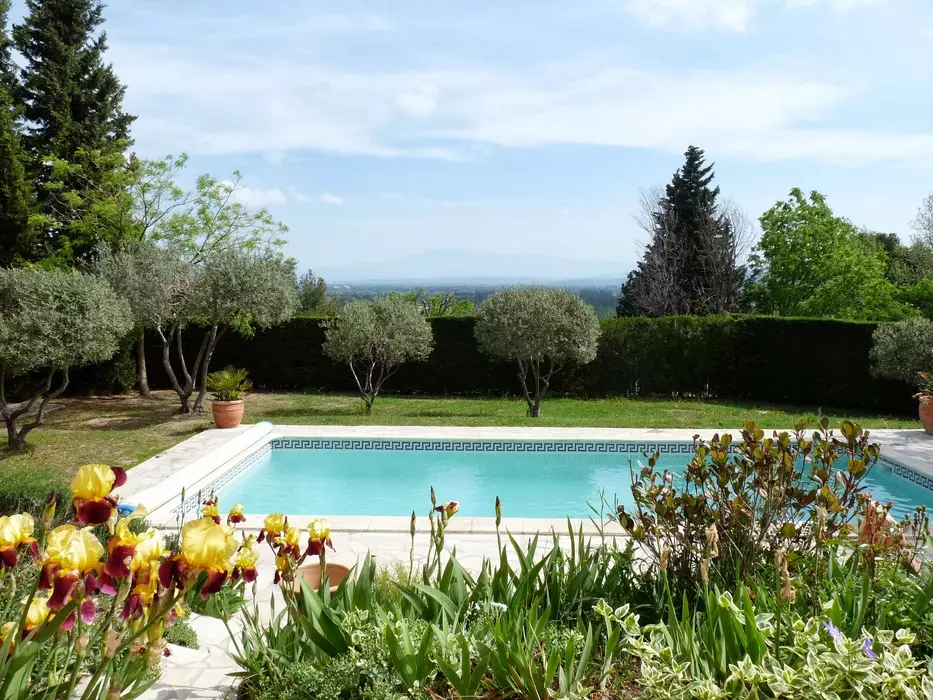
[(72, 101), (690, 264), (15, 189)]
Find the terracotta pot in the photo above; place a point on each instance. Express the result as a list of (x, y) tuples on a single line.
[(227, 414), (311, 573), (926, 416)]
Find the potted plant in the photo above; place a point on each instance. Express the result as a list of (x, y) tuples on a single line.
[(318, 542), (229, 386), (904, 351)]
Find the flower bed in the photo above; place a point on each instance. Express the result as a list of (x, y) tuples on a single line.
[(768, 573)]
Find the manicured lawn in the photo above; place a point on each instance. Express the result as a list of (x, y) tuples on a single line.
[(125, 430)]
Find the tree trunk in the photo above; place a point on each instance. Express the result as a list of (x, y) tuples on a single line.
[(536, 408), (183, 393), (141, 364), (14, 441), (369, 406), (201, 372)]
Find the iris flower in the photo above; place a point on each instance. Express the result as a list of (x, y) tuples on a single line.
[(236, 515), (15, 532), (273, 526), (91, 489), (70, 554), (318, 537), (244, 565), (205, 546), (448, 510)]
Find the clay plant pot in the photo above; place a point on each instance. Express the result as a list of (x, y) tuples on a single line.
[(227, 414), (926, 416), (311, 574)]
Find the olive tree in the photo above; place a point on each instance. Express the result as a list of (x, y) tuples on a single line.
[(51, 321), (235, 289), (902, 350), (155, 281), (375, 338), (541, 329)]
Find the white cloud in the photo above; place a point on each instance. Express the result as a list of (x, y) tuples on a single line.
[(257, 196), (723, 15), (203, 106), (329, 198)]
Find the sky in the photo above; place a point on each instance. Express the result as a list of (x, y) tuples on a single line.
[(382, 130)]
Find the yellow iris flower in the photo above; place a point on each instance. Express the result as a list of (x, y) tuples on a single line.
[(93, 481), (16, 530), (274, 524), (73, 549), (208, 545)]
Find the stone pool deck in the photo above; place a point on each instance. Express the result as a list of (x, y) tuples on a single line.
[(203, 673)]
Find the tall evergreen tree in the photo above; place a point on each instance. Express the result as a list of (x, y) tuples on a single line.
[(7, 67), (690, 264), (15, 189), (72, 100)]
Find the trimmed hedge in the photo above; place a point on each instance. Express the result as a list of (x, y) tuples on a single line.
[(821, 363)]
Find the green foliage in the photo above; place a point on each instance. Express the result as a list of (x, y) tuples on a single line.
[(750, 358), (72, 104), (242, 289), (741, 503), (312, 296), (735, 652), (374, 338), (52, 321), (16, 198), (182, 634), (690, 263), (229, 384), (919, 296), (215, 220), (903, 350), (57, 320), (810, 262), (437, 305), (526, 629), (541, 329)]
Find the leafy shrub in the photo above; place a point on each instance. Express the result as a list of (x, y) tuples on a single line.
[(733, 653), (541, 329), (229, 384), (741, 504), (903, 350), (182, 634), (374, 338)]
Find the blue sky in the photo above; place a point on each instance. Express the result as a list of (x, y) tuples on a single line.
[(377, 130)]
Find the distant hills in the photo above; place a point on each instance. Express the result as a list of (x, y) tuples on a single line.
[(469, 267)]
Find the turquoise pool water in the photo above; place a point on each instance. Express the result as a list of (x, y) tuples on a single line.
[(533, 479)]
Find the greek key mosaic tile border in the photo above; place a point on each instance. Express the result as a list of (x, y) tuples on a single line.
[(906, 472), (629, 447), (192, 502)]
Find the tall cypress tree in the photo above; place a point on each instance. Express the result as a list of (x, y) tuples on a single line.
[(15, 189), (72, 100), (689, 265)]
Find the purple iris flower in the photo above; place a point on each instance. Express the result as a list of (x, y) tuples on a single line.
[(833, 631), (866, 649)]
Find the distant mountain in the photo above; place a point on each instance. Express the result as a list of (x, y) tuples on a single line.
[(463, 266)]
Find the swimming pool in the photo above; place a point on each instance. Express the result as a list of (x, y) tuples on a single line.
[(534, 478)]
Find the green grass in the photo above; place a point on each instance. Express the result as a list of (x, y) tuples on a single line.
[(125, 430), (331, 409)]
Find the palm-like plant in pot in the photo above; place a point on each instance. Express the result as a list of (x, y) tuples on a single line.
[(904, 351), (229, 386)]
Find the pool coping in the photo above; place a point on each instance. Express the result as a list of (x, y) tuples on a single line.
[(215, 459)]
